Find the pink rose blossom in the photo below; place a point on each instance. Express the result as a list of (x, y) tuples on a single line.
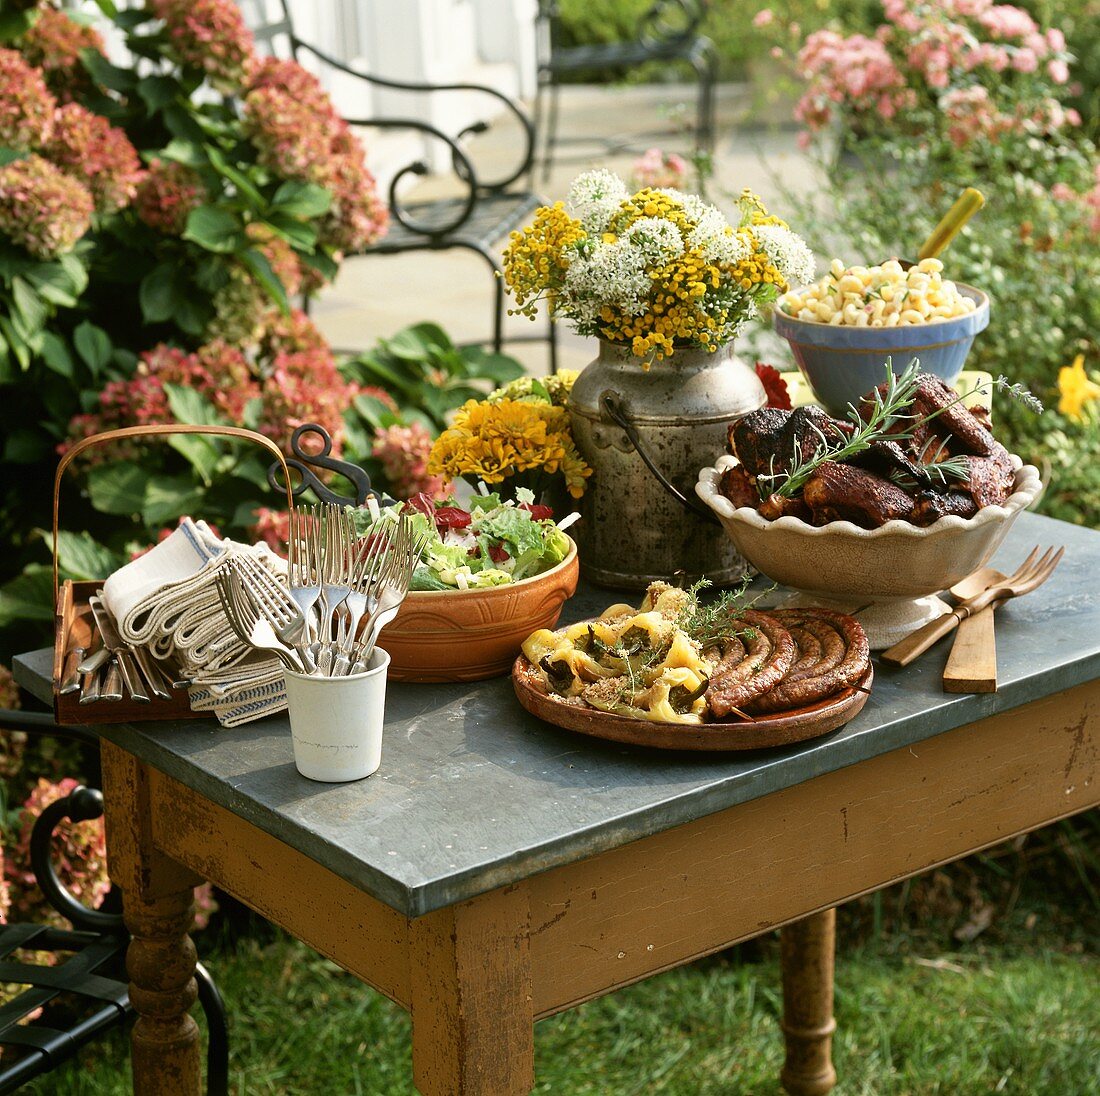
[(763, 18), (1058, 71), (1024, 60)]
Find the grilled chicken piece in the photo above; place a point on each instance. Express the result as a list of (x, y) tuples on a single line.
[(887, 457), (991, 478), (931, 506), (839, 492), (738, 487), (754, 439), (767, 441)]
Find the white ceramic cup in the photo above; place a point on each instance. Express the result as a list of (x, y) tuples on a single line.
[(336, 722)]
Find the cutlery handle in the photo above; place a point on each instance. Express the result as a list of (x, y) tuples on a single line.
[(904, 651), (152, 675), (968, 203), (131, 677), (111, 688), (70, 676), (972, 665), (89, 687), (93, 661)]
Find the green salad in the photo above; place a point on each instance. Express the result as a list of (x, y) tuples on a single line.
[(487, 542)]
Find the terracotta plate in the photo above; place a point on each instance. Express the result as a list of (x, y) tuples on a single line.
[(764, 732)]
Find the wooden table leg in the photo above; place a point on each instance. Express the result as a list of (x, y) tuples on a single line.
[(158, 905), (473, 1025), (807, 949)]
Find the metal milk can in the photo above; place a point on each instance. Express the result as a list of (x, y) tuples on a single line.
[(646, 435)]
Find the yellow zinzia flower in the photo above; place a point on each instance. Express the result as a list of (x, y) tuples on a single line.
[(1076, 389)]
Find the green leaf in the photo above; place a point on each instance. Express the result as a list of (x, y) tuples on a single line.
[(299, 234), (81, 556), (157, 91), (181, 123), (25, 446), (17, 345), (56, 283), (323, 263), (301, 199), (213, 228), (261, 270), (106, 74), (168, 498), (14, 24), (496, 367), (160, 292), (118, 488), (181, 151), (29, 596), (190, 406), (245, 187), (10, 155), (29, 306), (93, 345), (55, 353)]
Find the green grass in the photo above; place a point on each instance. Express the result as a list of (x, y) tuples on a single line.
[(918, 1013)]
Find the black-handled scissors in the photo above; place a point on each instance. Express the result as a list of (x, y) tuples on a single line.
[(303, 463)]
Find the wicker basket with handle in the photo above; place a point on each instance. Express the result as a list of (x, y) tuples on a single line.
[(72, 615)]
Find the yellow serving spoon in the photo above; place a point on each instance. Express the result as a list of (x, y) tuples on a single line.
[(967, 204)]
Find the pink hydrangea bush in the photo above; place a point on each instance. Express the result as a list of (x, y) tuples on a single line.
[(403, 452), (300, 136), (79, 856), (27, 107), (167, 194), (978, 68), (88, 148), (41, 208), (53, 45), (211, 36)]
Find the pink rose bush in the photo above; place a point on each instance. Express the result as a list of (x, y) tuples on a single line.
[(979, 69), (657, 169)]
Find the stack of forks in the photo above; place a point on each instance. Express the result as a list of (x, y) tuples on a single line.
[(342, 592)]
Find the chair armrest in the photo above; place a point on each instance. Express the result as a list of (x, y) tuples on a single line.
[(512, 107), (80, 805)]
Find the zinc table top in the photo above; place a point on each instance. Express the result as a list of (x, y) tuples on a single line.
[(474, 793)]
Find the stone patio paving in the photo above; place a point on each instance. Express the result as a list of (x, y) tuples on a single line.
[(376, 296)]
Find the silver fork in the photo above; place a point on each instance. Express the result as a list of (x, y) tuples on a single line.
[(244, 618), (372, 559), (276, 605), (303, 566), (340, 550), (393, 586)]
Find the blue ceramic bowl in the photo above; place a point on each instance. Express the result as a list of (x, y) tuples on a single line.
[(841, 363)]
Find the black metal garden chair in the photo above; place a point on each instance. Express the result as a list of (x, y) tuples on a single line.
[(485, 211), (85, 993), (668, 33)]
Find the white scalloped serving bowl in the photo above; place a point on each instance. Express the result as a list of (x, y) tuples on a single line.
[(892, 574)]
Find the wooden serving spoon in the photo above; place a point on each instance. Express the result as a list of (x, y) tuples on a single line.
[(972, 666)]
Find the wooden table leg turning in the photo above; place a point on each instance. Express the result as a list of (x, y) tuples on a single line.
[(158, 905), (807, 949)]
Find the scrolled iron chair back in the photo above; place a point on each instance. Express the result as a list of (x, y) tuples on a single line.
[(268, 32)]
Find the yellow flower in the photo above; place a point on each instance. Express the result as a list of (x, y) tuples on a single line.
[(491, 441), (1076, 389)]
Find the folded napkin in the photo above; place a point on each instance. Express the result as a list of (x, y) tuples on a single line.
[(167, 601)]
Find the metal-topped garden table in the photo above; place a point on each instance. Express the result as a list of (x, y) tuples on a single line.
[(497, 870)]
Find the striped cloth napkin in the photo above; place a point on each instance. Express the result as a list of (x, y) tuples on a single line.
[(166, 601)]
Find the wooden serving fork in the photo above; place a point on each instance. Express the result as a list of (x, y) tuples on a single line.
[(972, 664), (1031, 574)]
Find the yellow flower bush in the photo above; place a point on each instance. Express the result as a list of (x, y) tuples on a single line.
[(495, 441), (657, 269), (1076, 389)]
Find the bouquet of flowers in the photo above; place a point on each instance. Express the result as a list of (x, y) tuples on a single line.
[(520, 434), (658, 269)]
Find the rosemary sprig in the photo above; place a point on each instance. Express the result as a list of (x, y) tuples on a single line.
[(937, 467), (712, 622), (887, 409)]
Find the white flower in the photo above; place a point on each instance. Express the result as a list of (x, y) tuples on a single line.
[(607, 274), (594, 197), (788, 251), (658, 239), (699, 210)]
